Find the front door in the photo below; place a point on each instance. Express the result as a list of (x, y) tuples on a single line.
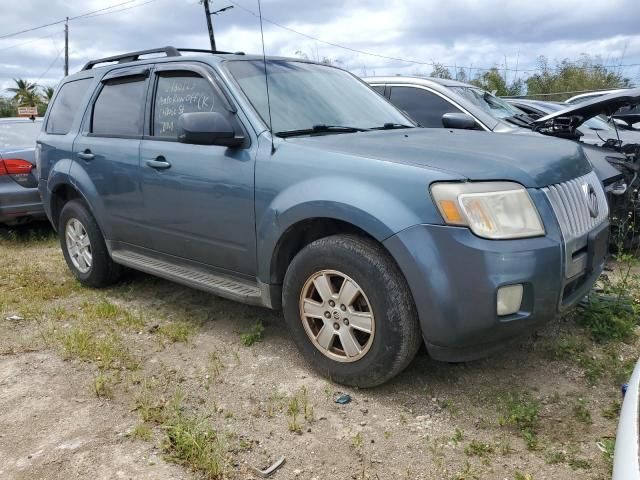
[(198, 199)]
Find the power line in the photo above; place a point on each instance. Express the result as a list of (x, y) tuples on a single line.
[(30, 41), (398, 59), (8, 35)]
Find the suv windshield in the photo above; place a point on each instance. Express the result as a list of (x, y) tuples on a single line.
[(494, 106), (306, 95), (19, 134)]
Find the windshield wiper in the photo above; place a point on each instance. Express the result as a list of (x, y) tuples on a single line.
[(520, 119), (320, 129), (392, 126)]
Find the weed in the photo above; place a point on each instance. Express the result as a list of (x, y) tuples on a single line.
[(612, 412), (107, 351), (570, 347), (256, 334), (215, 364), (357, 441), (387, 434), (103, 386), (293, 410), (191, 442), (457, 436), (479, 449), (609, 319), (178, 331), (581, 412), (142, 431), (523, 476), (579, 463), (607, 446), (523, 413)]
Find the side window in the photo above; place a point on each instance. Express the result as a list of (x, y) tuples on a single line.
[(119, 108), (379, 89), (178, 93), (424, 107), (66, 105)]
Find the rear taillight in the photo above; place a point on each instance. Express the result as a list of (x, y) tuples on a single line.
[(15, 166)]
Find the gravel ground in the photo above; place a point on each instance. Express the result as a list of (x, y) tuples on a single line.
[(94, 384)]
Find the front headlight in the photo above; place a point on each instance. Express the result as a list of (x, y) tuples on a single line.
[(495, 210)]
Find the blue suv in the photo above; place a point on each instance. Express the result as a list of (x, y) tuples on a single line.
[(305, 190)]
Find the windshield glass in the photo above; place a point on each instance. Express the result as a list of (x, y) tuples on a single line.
[(19, 134), (494, 106), (304, 95)]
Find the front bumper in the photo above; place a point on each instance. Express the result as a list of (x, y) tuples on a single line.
[(454, 277), (18, 203)]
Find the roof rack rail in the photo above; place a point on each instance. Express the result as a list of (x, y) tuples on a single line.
[(200, 50), (134, 56)]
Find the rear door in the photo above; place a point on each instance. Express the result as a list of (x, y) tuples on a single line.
[(107, 153), (198, 200)]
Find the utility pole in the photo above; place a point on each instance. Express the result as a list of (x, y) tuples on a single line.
[(209, 24), (66, 47)]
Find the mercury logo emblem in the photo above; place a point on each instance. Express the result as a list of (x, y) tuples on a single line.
[(592, 199)]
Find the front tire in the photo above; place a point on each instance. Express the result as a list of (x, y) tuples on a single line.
[(349, 310), (84, 247)]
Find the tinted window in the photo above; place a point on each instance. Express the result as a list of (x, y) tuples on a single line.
[(378, 88), (424, 107), (119, 108), (178, 93), (66, 106)]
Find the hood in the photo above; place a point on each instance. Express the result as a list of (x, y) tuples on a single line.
[(531, 160), (579, 113)]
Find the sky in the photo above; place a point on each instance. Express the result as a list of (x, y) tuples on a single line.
[(367, 37)]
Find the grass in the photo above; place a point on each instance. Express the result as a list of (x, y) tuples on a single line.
[(608, 446), (142, 431), (479, 449), (256, 334), (178, 331), (106, 350), (103, 386), (192, 442), (581, 412), (610, 318), (523, 413)]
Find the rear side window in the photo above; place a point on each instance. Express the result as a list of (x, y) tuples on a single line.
[(119, 108), (178, 93), (66, 106), (424, 107)]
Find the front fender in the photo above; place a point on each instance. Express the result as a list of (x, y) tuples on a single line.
[(365, 206)]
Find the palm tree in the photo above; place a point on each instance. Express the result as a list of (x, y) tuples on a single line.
[(24, 93), (47, 94)]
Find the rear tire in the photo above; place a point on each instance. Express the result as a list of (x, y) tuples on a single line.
[(349, 310), (84, 247)]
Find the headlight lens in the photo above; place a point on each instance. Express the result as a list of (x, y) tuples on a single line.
[(495, 210)]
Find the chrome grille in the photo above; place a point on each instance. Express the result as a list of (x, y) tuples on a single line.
[(569, 202)]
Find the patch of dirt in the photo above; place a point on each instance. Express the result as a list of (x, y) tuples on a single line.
[(54, 427)]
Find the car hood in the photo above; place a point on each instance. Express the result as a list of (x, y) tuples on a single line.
[(605, 104), (531, 160)]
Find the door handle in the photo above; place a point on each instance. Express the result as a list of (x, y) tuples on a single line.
[(160, 163), (86, 155)]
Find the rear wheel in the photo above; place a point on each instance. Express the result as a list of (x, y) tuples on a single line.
[(84, 247), (350, 311)]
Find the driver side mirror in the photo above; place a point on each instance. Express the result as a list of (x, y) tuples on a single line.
[(459, 121), (207, 128)]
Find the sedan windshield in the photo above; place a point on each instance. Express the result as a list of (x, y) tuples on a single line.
[(494, 106), (307, 98), (19, 134)]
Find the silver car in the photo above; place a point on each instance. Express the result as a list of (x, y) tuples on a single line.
[(626, 460), (19, 198)]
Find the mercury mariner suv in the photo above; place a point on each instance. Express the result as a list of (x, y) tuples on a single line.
[(318, 197)]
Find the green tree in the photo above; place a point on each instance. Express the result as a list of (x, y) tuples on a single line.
[(24, 93), (47, 93), (585, 73), (493, 81), (7, 108), (440, 71)]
